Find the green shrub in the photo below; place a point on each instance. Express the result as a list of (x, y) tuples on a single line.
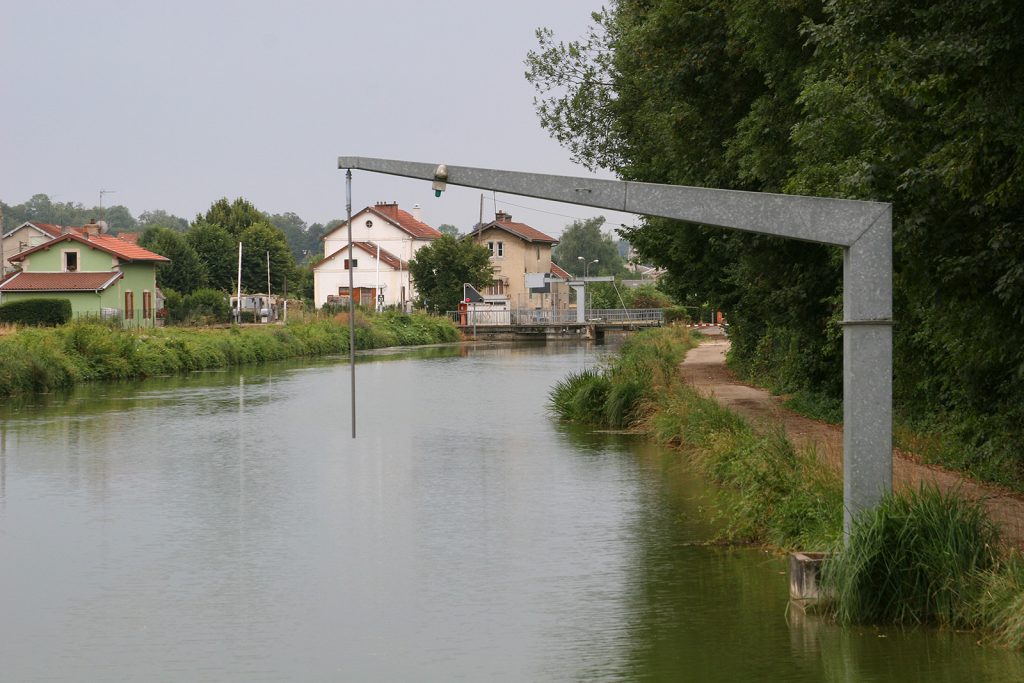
[(616, 395), (201, 307), (580, 397), (36, 312), (676, 314)]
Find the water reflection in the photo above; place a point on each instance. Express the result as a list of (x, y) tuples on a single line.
[(224, 526)]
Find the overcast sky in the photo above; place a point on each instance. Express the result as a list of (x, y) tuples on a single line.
[(173, 104)]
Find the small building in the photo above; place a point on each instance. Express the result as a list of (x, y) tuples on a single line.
[(261, 307), (384, 239), (101, 275), (523, 271), (26, 236)]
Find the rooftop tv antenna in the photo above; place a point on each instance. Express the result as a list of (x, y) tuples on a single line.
[(103, 192)]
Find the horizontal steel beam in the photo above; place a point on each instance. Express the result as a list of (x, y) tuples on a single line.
[(813, 219)]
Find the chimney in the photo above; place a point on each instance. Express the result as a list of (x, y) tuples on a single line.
[(417, 212), (387, 208), (91, 228), (502, 216)]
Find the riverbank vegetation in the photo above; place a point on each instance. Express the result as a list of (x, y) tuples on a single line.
[(919, 557), (46, 359), (878, 100)]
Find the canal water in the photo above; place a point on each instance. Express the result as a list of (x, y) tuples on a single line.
[(225, 527)]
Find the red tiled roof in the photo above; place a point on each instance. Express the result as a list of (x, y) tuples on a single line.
[(405, 221), (124, 248), (520, 230), (371, 249), (558, 271), (59, 282), (120, 248)]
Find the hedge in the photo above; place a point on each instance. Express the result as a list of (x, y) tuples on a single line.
[(35, 312)]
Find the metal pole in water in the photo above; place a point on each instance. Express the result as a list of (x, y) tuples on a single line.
[(351, 299)]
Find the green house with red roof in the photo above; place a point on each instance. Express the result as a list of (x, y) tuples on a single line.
[(104, 276)]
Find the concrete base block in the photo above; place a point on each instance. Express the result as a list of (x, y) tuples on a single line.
[(804, 578)]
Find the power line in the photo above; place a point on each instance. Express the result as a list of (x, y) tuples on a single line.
[(552, 213)]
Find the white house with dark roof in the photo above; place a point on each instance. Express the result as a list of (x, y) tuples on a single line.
[(384, 238)]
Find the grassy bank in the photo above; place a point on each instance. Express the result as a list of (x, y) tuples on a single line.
[(45, 359), (919, 557)]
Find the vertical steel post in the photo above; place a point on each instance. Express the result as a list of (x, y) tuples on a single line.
[(867, 369), (351, 300)]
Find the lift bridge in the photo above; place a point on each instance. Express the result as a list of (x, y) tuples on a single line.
[(479, 317)]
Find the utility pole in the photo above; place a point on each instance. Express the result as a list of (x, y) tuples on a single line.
[(3, 257), (238, 292)]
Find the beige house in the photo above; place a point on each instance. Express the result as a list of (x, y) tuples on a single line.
[(521, 259)]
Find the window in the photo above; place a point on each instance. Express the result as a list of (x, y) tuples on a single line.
[(355, 263), (70, 261), (129, 305), (501, 249), (147, 304), (490, 245)]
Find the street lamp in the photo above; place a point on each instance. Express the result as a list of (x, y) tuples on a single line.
[(586, 264)]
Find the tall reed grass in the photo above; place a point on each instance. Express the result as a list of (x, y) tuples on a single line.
[(617, 395), (772, 493), (918, 557), (40, 360)]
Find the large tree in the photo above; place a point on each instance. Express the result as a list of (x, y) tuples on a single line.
[(296, 232), (439, 270), (233, 216), (258, 241), (186, 272), (158, 218), (218, 251), (581, 243)]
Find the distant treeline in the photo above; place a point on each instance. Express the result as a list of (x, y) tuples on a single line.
[(303, 238)]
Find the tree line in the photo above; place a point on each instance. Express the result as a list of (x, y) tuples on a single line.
[(303, 238), (917, 104), (203, 252)]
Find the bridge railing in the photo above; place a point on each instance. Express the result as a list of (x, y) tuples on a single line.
[(625, 315), (538, 316)]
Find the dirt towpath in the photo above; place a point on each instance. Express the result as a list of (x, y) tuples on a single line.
[(705, 370)]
